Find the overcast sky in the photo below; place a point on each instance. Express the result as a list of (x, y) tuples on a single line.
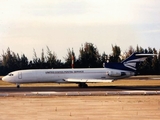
[(61, 24)]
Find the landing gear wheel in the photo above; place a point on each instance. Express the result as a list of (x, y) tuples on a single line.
[(83, 85), (18, 86)]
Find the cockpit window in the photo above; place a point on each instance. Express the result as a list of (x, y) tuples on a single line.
[(10, 74)]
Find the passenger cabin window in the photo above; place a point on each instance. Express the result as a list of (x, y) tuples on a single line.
[(10, 74)]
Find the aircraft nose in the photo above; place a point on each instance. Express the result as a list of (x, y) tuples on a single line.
[(3, 78), (9, 79)]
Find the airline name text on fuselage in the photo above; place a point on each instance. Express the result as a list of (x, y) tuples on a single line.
[(63, 72)]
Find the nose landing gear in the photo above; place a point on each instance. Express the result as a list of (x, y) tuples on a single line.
[(18, 86)]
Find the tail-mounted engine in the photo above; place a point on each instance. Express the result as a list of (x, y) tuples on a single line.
[(116, 74)]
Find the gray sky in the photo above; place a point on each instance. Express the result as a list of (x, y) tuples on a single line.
[(61, 24)]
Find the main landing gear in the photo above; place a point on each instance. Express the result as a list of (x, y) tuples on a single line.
[(82, 85)]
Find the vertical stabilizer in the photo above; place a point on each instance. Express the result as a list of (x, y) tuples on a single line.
[(135, 58)]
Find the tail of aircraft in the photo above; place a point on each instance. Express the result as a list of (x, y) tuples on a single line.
[(130, 63)]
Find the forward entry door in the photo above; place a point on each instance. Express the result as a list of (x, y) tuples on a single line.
[(20, 75)]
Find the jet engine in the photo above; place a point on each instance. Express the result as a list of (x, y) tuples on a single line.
[(116, 74)]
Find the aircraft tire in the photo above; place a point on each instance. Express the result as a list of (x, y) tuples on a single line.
[(18, 86), (86, 86), (82, 85)]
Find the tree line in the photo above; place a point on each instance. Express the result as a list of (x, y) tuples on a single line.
[(89, 57)]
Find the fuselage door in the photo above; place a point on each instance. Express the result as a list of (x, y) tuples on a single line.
[(20, 75)]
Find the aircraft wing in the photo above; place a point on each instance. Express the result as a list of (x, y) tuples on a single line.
[(87, 80)]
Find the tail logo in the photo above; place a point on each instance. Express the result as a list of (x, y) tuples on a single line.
[(132, 63)]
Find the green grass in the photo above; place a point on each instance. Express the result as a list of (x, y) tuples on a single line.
[(133, 81)]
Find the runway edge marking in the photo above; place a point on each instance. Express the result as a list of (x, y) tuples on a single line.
[(98, 93)]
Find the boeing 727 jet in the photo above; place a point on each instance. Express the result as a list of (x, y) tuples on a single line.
[(110, 72)]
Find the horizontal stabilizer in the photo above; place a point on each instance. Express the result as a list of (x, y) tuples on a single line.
[(147, 55), (88, 80), (138, 57)]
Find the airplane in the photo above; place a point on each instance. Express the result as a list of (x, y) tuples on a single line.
[(109, 73)]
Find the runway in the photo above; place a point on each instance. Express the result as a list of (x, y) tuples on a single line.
[(75, 91)]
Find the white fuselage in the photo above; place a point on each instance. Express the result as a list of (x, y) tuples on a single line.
[(61, 75)]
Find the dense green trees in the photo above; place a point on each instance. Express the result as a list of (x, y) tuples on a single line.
[(115, 56), (12, 61), (89, 57)]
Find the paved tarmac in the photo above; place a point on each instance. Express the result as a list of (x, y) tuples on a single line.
[(75, 91)]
